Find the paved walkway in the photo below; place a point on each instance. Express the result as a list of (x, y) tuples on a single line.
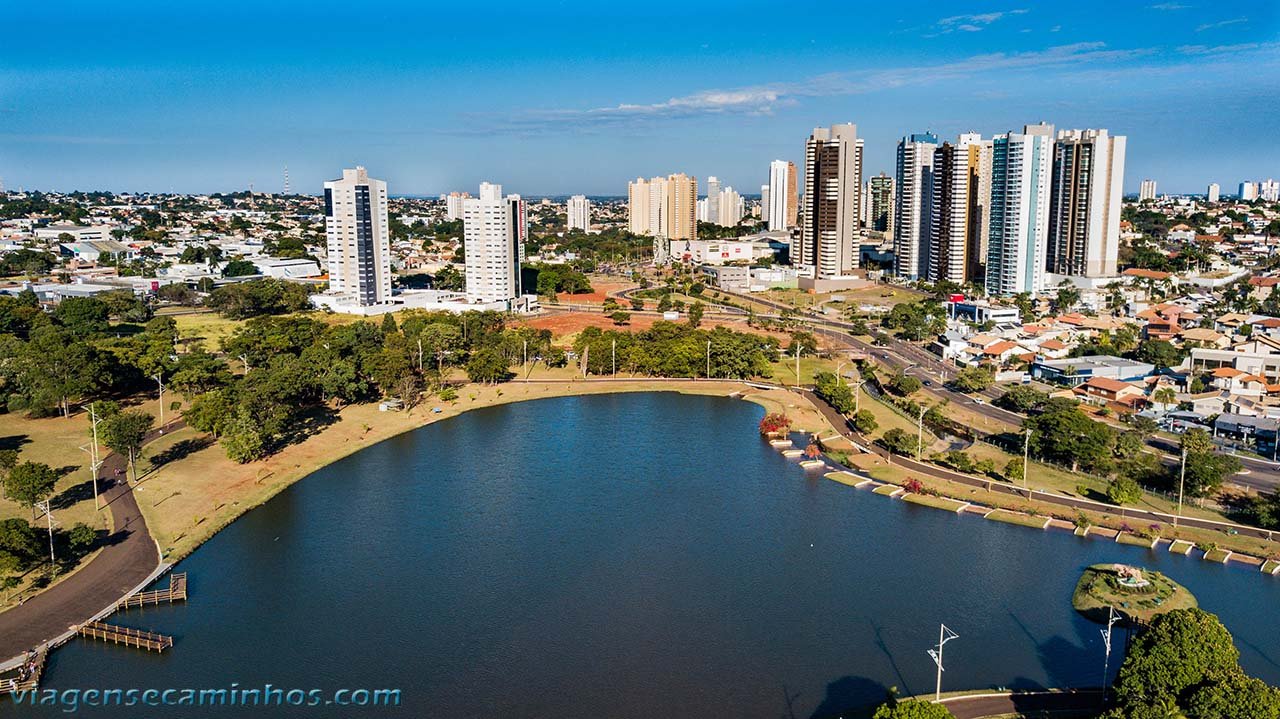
[(129, 559), (1060, 705)]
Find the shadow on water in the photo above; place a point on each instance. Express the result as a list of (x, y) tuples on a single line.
[(852, 698), (1061, 659), (883, 647)]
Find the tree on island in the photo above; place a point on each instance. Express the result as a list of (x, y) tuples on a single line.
[(912, 709)]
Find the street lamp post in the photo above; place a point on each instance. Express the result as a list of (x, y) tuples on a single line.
[(1182, 480), (708, 359), (160, 383), (1026, 454), (920, 433), (1106, 642), (944, 635)]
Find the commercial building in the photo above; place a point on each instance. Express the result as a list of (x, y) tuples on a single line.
[(1074, 371), (494, 232), (579, 211), (1212, 193), (1085, 197), (911, 221), (833, 184), (781, 201), (1021, 164), (1147, 190), (78, 233), (357, 238)]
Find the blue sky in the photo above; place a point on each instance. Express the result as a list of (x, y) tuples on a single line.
[(559, 97)]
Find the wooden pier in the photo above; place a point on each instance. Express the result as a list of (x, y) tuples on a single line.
[(175, 592), (10, 682), (124, 635)]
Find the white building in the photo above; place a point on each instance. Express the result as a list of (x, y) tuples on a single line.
[(79, 233), (1147, 190), (911, 221), (1269, 190), (358, 239), (729, 207), (453, 204), (494, 232), (712, 213), (1248, 191), (830, 242), (1212, 194), (579, 210), (1021, 164), (1085, 197), (954, 213), (778, 198)]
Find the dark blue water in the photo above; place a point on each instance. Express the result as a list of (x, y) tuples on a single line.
[(637, 555)]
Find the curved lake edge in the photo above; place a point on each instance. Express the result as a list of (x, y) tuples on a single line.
[(422, 416)]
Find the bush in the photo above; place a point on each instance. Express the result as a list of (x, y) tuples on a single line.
[(864, 422), (1124, 490), (774, 423)]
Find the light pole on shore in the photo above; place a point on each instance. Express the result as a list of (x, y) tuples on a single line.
[(920, 432), (1182, 480), (1106, 643), (1026, 453), (944, 635), (708, 359), (160, 384)]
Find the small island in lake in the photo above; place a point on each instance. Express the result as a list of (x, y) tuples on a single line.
[(1135, 593)]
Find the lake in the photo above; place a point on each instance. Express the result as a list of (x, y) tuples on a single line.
[(629, 555)]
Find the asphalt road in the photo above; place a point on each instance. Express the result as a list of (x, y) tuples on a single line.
[(129, 557), (1061, 705)]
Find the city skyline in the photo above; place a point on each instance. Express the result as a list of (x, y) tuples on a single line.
[(215, 99)]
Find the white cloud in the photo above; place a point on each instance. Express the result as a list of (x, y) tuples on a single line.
[(1221, 23), (1168, 6), (765, 99), (971, 22)]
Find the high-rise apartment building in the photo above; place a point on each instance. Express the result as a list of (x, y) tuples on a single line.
[(638, 207), (1248, 191), (1021, 168), (729, 207), (1147, 190), (453, 204), (954, 214), (1084, 203), (1269, 190), (880, 212), (764, 203), (1211, 195), (579, 212), (663, 207), (358, 238), (495, 229), (713, 200), (911, 222), (782, 207), (833, 185)]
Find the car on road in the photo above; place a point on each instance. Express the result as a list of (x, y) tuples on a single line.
[(928, 383)]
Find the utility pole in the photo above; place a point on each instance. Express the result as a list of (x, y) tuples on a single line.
[(797, 363), (160, 383), (944, 635), (1026, 453), (419, 354), (95, 460), (614, 356), (1182, 480), (49, 516), (920, 433), (708, 359)]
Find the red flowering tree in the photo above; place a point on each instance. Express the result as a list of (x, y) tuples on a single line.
[(812, 451), (775, 423), (913, 486)]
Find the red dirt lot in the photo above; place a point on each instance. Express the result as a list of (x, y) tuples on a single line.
[(562, 324)]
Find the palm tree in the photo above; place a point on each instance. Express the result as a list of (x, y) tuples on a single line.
[(1165, 396)]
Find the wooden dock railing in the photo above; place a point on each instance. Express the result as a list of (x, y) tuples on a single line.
[(175, 592), (27, 677), (124, 635)]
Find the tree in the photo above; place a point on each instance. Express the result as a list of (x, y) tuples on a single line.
[(57, 367), (30, 483), (488, 366), (18, 539), (124, 434), (239, 268), (974, 379), (695, 313), (1165, 396), (1206, 469), (243, 438), (1022, 398), (864, 422), (833, 391), (1160, 353), (912, 709), (620, 317), (1182, 649), (899, 441), (210, 412), (1014, 469), (1124, 490), (1238, 696), (904, 384), (81, 536), (83, 316), (774, 423), (637, 304)]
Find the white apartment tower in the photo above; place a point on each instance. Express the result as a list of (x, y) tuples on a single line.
[(1211, 195), (1021, 165), (358, 237), (833, 186), (638, 207), (911, 222), (713, 200), (1248, 191), (1084, 204), (494, 232), (780, 200), (1147, 190), (1269, 190), (729, 207), (453, 204), (579, 211)]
